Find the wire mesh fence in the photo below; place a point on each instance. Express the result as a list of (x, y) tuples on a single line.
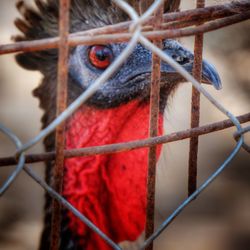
[(148, 28)]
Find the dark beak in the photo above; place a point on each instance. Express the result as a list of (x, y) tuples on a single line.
[(186, 58), (210, 75)]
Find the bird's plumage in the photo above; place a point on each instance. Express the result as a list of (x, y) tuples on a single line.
[(109, 189)]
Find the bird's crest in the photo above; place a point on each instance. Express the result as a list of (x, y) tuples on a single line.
[(41, 22)]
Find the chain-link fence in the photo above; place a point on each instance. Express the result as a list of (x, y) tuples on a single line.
[(148, 28)]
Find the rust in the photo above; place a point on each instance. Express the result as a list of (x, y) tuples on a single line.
[(233, 13), (153, 126), (237, 136), (136, 6), (213, 25), (172, 5), (121, 147), (174, 25), (195, 109), (62, 80)]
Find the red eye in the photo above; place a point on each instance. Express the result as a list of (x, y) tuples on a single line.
[(100, 56)]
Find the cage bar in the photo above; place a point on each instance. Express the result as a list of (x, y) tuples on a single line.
[(221, 15), (153, 126), (62, 81), (174, 25), (121, 147), (195, 109)]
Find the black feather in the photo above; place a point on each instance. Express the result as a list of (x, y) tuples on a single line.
[(40, 23)]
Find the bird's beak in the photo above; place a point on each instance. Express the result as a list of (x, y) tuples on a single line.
[(186, 59), (210, 75)]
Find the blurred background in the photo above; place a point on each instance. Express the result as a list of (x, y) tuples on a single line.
[(219, 219)]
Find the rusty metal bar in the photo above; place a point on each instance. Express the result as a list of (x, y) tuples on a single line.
[(62, 81), (237, 12), (121, 147), (237, 136), (137, 6), (197, 192), (195, 109), (63, 44), (174, 20), (71, 208), (51, 43), (153, 127)]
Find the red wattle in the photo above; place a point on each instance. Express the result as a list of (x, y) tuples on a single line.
[(108, 189)]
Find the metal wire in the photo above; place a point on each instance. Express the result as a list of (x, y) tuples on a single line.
[(125, 146), (238, 134), (21, 160), (54, 194), (194, 195), (85, 95), (134, 32)]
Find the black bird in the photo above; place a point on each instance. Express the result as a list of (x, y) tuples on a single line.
[(109, 189)]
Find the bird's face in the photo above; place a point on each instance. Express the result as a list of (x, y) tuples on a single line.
[(132, 80)]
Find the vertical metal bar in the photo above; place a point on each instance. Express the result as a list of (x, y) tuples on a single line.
[(154, 113), (62, 80), (172, 5), (144, 5), (195, 109), (136, 5)]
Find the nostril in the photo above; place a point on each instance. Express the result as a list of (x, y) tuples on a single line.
[(182, 60), (174, 57), (185, 60)]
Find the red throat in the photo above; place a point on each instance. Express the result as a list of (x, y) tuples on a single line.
[(109, 189)]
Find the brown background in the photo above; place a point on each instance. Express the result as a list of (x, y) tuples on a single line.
[(219, 219)]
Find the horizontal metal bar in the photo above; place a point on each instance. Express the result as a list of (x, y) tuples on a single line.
[(120, 147), (74, 40), (187, 201), (238, 10), (176, 19)]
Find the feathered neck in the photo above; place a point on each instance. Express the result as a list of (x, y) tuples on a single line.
[(109, 189)]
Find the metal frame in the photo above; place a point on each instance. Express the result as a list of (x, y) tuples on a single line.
[(153, 25)]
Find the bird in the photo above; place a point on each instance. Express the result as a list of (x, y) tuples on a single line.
[(110, 190)]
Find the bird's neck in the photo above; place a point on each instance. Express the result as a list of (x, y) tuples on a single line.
[(109, 189)]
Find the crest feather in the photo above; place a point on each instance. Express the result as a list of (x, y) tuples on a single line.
[(42, 22)]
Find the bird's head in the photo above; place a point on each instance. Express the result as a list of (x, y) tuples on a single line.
[(110, 121), (87, 63), (132, 80)]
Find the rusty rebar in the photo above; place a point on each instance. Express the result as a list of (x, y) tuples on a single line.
[(195, 109), (237, 136), (121, 147), (51, 43), (237, 12), (155, 34), (153, 131), (62, 81), (71, 208), (175, 20)]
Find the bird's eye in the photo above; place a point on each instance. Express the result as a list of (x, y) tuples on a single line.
[(100, 56)]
